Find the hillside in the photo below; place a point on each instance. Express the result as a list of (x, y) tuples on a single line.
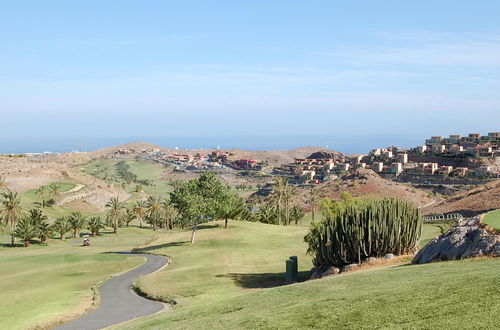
[(475, 201), (23, 175), (365, 183)]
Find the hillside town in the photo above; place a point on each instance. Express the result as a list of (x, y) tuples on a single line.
[(440, 160), (455, 159)]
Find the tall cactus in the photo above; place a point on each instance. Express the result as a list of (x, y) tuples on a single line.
[(362, 229)]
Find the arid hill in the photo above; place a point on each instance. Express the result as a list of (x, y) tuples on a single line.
[(472, 202)]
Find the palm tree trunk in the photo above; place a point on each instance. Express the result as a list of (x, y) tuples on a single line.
[(225, 223), (27, 243), (12, 239)]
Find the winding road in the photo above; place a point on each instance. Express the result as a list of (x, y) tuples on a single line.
[(117, 301)]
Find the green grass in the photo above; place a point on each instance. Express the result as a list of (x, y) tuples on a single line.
[(41, 284), (492, 219), (224, 263), (431, 231), (29, 197), (445, 295), (150, 171), (105, 169)]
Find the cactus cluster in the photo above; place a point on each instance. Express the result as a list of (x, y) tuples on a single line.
[(362, 229)]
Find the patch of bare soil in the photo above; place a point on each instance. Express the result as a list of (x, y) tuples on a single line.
[(472, 202)]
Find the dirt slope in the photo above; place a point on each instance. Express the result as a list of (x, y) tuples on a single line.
[(472, 202)]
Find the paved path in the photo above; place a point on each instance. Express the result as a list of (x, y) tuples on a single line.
[(117, 302)]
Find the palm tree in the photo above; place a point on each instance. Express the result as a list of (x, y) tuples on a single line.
[(76, 221), (26, 230), (281, 195), (312, 200), (39, 220), (129, 216), (114, 215), (11, 211), (2, 182), (54, 190), (154, 209), (140, 211), (296, 213), (267, 214), (94, 225), (40, 192), (169, 214), (232, 209), (61, 226), (44, 231)]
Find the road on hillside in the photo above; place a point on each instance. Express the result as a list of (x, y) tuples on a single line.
[(117, 301)]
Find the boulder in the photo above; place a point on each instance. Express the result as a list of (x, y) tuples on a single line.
[(466, 240), (369, 260), (315, 273), (389, 256), (348, 268), (332, 270)]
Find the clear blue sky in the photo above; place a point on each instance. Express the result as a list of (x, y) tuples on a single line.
[(364, 69)]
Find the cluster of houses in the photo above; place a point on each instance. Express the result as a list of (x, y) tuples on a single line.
[(211, 161), (313, 170), (474, 145), (393, 162)]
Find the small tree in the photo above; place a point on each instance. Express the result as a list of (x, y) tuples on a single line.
[(39, 220), (26, 230), (54, 190), (77, 222), (296, 213), (140, 211), (128, 216), (94, 225), (61, 226), (115, 213), (231, 208), (11, 211)]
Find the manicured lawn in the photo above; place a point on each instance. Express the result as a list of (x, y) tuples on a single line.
[(42, 284), (151, 171), (29, 198), (106, 170), (492, 219), (224, 263), (431, 231), (445, 295)]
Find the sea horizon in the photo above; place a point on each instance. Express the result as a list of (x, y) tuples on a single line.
[(345, 144)]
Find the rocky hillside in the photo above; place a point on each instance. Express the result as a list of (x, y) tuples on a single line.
[(472, 202)]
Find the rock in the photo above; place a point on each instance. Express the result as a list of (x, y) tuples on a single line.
[(315, 273), (331, 271), (466, 240), (389, 256), (348, 268), (369, 260)]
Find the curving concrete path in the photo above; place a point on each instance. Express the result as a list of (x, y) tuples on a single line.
[(117, 301)]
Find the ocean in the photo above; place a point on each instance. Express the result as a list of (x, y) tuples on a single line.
[(346, 144)]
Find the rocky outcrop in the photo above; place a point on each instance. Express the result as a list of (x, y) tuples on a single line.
[(466, 240)]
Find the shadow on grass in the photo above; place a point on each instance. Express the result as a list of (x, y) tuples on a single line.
[(261, 280), (210, 226), (161, 246)]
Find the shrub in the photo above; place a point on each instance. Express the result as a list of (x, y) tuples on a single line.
[(355, 230)]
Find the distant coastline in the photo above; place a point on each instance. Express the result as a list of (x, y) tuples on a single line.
[(345, 144)]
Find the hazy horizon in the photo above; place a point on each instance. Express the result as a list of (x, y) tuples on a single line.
[(342, 143)]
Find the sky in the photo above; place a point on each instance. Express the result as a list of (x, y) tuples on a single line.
[(260, 74)]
